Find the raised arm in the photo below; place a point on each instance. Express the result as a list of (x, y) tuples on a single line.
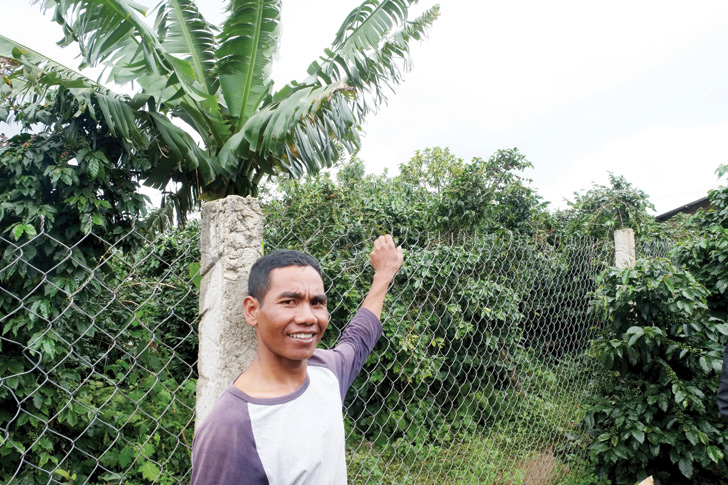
[(386, 259)]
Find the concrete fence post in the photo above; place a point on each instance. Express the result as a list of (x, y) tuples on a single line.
[(230, 241), (624, 248)]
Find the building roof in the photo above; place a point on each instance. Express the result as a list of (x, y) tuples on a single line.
[(689, 208)]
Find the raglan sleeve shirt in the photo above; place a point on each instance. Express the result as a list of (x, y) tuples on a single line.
[(293, 439)]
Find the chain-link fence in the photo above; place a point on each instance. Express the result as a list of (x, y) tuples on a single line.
[(653, 248), (98, 358), (482, 367), (478, 378)]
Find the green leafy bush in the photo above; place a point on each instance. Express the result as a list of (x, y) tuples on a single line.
[(706, 254), (656, 414), (601, 210), (95, 358), (481, 320), (111, 393)]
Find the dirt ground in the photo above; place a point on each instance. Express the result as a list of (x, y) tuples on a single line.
[(541, 470)]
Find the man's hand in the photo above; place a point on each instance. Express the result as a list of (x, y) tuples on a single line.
[(386, 258)]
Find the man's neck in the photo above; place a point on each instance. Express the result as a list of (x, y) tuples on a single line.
[(269, 379)]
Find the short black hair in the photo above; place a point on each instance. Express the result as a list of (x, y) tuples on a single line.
[(259, 279)]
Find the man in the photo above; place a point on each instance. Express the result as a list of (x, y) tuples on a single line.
[(723, 386), (281, 421)]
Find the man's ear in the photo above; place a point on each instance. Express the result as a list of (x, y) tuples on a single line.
[(251, 306)]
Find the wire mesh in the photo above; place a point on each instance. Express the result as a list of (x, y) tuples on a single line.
[(478, 378), (98, 359), (479, 375), (653, 248)]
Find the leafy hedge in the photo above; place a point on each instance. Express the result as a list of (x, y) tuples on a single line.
[(482, 325), (656, 414), (95, 359)]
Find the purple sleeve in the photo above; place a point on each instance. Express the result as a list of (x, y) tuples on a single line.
[(223, 450), (356, 343)]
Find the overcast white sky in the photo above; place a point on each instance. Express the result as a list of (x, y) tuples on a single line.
[(638, 87)]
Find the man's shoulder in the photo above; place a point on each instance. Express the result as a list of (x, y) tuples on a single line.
[(231, 408), (224, 448), (323, 358)]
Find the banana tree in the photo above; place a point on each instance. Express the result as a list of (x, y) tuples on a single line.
[(215, 81)]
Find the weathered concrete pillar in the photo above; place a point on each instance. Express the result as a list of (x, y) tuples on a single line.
[(230, 241), (624, 251)]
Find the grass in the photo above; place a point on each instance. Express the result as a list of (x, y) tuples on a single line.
[(527, 438), (492, 458)]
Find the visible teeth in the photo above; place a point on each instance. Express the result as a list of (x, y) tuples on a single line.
[(302, 335)]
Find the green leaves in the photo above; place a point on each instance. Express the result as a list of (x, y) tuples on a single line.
[(149, 470), (36, 82), (461, 329), (73, 376), (602, 209), (185, 33), (217, 81), (368, 46), (368, 23), (715, 454), (634, 333), (248, 40), (666, 352), (639, 435), (300, 133), (686, 467), (195, 275), (120, 118), (17, 230), (54, 189), (107, 30), (126, 456)]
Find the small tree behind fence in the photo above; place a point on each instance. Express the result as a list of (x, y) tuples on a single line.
[(478, 378)]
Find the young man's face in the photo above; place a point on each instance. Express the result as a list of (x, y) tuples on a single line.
[(293, 315)]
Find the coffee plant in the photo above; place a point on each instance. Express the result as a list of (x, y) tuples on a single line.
[(662, 356)]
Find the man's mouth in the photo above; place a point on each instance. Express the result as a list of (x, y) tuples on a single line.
[(302, 336)]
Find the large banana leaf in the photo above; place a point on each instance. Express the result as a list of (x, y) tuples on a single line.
[(33, 81), (179, 155), (298, 129), (379, 70), (366, 26), (248, 40), (114, 33), (298, 134), (371, 50), (103, 28), (35, 70), (218, 83), (373, 37), (199, 109), (36, 78), (185, 33)]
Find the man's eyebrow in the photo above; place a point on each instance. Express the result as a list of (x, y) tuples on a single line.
[(295, 295), (319, 298)]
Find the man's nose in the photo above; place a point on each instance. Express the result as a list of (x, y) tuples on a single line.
[(305, 315)]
